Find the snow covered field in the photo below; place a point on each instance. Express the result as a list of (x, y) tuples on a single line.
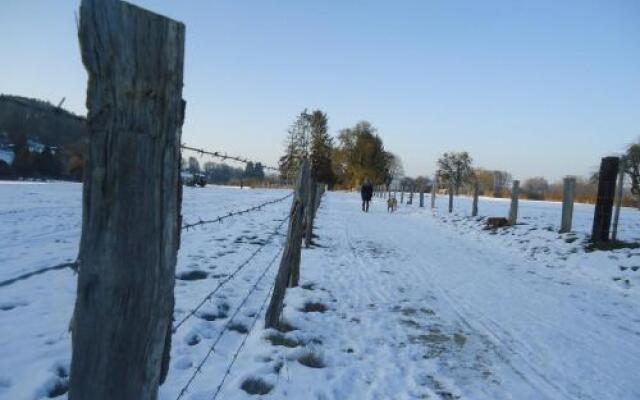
[(414, 305)]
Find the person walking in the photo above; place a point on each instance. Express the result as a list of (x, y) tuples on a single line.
[(366, 192)]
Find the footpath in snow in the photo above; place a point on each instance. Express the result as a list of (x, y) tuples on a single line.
[(412, 305)]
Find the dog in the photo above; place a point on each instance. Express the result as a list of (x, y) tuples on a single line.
[(392, 204)]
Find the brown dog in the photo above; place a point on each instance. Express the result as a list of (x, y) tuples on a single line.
[(392, 204)]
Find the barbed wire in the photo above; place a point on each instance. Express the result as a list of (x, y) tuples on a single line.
[(211, 350), (244, 340), (8, 282), (235, 213), (225, 156), (228, 278)]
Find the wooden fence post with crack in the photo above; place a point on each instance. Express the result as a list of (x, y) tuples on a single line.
[(513, 209), (288, 272), (121, 328), (568, 190)]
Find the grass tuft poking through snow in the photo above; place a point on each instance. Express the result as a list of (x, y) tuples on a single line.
[(194, 275), (278, 339), (311, 360), (314, 307), (256, 386)]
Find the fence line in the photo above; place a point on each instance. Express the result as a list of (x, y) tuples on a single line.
[(223, 282), (225, 156), (27, 275), (244, 340), (211, 350), (235, 213)]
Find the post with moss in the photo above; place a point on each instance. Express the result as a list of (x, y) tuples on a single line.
[(121, 328), (568, 189), (513, 210)]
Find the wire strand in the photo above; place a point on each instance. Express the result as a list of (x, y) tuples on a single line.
[(228, 278), (211, 350), (236, 213), (225, 156)]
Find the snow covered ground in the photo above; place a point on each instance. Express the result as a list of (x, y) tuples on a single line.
[(419, 304)]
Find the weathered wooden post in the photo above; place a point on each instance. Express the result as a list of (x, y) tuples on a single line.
[(450, 196), (402, 195), (568, 191), (309, 211), (121, 329), (604, 201), (434, 188), (513, 210), (422, 197), (288, 272), (476, 194), (618, 202), (410, 195)]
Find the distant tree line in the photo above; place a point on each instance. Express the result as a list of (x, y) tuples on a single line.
[(358, 153), (455, 170), (223, 174)]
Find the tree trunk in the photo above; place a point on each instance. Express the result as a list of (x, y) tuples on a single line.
[(131, 201)]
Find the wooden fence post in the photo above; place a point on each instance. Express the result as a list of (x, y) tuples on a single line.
[(513, 210), (310, 211), (288, 272), (434, 188), (618, 203), (402, 195), (567, 204), (121, 328), (421, 197), (411, 195), (604, 201), (450, 196), (476, 194)]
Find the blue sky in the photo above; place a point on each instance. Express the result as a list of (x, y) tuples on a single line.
[(532, 87)]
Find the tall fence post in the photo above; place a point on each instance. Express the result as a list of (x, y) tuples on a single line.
[(434, 188), (450, 196), (309, 211), (604, 201), (422, 197), (290, 263), (476, 194), (568, 190), (121, 328), (513, 209), (411, 188), (618, 203), (402, 195)]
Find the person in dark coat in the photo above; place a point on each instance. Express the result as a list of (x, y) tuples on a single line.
[(366, 192)]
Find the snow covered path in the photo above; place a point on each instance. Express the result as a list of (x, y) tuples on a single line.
[(421, 313), (414, 305)]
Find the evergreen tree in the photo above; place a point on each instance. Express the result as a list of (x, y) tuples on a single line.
[(296, 146), (321, 149)]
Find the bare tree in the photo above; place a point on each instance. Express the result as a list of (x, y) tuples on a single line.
[(455, 169)]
